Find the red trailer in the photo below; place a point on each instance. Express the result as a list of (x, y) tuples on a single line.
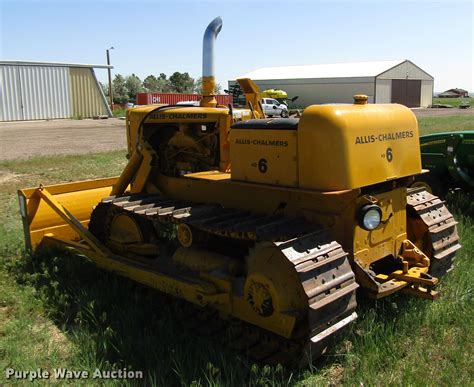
[(174, 98)]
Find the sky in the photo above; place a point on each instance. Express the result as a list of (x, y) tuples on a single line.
[(153, 37)]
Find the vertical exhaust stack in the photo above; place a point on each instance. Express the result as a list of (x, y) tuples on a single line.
[(208, 78)]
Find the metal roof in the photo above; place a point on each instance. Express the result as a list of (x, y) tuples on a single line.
[(337, 70), (449, 93), (52, 64)]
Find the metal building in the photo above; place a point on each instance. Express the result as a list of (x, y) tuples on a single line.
[(383, 82), (39, 91)]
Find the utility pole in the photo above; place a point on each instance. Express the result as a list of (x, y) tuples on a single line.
[(111, 98)]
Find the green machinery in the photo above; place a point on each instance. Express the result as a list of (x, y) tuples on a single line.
[(450, 158)]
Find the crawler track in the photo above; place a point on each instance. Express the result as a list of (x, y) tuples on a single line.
[(441, 238), (329, 284), (321, 265)]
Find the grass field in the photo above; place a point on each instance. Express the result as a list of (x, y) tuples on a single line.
[(444, 124), (453, 101), (58, 310)]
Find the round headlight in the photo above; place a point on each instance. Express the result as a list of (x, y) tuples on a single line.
[(370, 217)]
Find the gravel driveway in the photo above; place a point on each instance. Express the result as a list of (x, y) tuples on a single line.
[(23, 139)]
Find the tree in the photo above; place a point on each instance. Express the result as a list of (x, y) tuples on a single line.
[(120, 91), (165, 84), (181, 82), (150, 83), (158, 84), (134, 86)]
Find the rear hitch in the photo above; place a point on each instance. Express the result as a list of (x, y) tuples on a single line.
[(413, 278)]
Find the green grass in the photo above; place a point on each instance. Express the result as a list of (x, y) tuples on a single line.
[(445, 124), (453, 101), (119, 112), (59, 310)]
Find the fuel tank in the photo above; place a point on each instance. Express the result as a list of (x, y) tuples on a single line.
[(352, 146)]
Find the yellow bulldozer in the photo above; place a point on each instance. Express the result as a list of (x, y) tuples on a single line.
[(271, 224)]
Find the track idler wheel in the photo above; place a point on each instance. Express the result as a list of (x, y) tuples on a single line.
[(124, 232), (189, 236), (185, 235)]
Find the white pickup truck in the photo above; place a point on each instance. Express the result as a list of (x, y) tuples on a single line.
[(271, 107)]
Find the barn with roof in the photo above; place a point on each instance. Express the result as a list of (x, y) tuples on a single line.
[(383, 82)]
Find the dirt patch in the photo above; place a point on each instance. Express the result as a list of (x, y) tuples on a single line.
[(5, 313), (57, 340), (24, 139), (335, 374), (442, 112), (7, 177)]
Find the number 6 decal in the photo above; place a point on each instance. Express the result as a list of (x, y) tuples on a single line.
[(262, 165)]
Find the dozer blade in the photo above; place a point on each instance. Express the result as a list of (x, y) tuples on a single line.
[(41, 219)]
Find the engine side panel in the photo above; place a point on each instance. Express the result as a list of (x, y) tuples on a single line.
[(264, 156)]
